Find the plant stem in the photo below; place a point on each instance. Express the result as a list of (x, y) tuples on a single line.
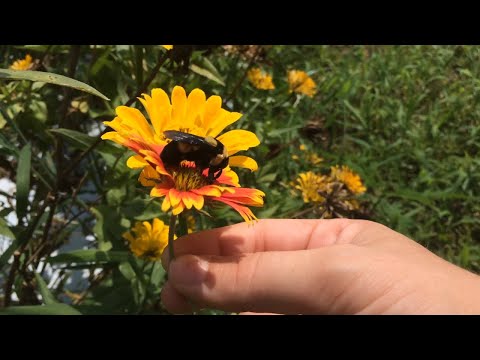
[(171, 235)]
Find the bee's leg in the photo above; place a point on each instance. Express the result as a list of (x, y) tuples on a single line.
[(211, 175), (217, 175)]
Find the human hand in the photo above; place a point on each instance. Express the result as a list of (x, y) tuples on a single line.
[(337, 266)]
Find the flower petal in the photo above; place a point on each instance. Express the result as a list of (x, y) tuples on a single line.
[(243, 161), (197, 200), (178, 209), (238, 140), (159, 191), (149, 177), (158, 108), (221, 121), (166, 203), (212, 110), (135, 120), (209, 190), (179, 108), (228, 177), (175, 196), (244, 211), (195, 106), (136, 162)]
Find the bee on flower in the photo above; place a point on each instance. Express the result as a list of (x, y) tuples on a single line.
[(185, 185)]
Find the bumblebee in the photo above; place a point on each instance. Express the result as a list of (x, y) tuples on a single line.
[(205, 152)]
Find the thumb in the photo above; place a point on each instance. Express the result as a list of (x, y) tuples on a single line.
[(288, 282)]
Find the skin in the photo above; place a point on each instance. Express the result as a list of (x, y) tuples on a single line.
[(337, 266)]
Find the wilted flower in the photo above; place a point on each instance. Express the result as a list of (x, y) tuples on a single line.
[(333, 195), (347, 176), (301, 83), (260, 79)]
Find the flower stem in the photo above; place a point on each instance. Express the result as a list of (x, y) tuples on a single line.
[(171, 235)]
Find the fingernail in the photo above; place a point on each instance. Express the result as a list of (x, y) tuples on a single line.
[(188, 270)]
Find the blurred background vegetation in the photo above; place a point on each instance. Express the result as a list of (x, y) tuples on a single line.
[(406, 119)]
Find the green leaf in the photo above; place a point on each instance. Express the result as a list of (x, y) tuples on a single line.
[(208, 74), (2, 121), (53, 309), (23, 180), (49, 78), (5, 230), (127, 271), (90, 256), (75, 138), (157, 275), (47, 296)]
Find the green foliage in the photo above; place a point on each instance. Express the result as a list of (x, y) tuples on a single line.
[(405, 118)]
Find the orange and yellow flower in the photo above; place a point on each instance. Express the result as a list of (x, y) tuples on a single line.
[(186, 186), (148, 240), (23, 64), (301, 83), (260, 79)]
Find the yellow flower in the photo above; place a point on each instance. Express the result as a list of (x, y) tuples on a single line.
[(186, 186), (351, 179), (260, 80), (148, 240), (23, 64), (310, 157), (314, 159), (190, 224), (300, 82), (195, 115), (168, 47), (310, 184)]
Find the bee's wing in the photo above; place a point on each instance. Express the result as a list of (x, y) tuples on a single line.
[(185, 137)]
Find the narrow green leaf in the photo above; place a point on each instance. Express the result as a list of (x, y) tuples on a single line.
[(23, 179), (208, 74), (90, 256), (8, 253), (51, 79), (355, 112), (53, 309), (47, 296), (5, 230), (75, 138)]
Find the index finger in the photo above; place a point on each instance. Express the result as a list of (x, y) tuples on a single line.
[(264, 235)]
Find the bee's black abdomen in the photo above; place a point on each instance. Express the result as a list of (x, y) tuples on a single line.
[(184, 146)]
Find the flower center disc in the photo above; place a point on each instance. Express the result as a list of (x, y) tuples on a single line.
[(187, 178)]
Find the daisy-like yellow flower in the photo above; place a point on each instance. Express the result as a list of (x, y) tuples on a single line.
[(347, 176), (301, 83), (23, 64), (148, 240), (260, 79), (186, 186), (310, 184), (168, 47)]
